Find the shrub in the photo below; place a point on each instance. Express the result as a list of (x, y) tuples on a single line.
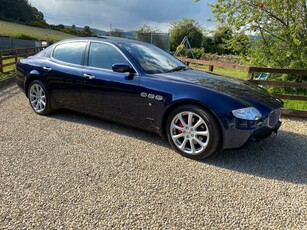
[(25, 36), (198, 52)]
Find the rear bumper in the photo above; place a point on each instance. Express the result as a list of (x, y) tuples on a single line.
[(19, 78)]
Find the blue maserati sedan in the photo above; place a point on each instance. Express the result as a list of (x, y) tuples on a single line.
[(139, 85)]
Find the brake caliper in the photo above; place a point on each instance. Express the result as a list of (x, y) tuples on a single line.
[(181, 125)]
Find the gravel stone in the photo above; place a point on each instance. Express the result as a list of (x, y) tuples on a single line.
[(71, 171)]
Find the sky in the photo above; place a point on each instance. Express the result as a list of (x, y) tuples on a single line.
[(126, 15)]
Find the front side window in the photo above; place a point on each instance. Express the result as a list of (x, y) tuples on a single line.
[(71, 52), (152, 59), (104, 56)]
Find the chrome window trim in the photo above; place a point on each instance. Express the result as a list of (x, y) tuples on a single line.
[(110, 70), (69, 63)]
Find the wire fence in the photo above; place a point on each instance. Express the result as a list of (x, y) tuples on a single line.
[(14, 43), (161, 40)]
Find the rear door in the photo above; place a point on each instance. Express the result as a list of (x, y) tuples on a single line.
[(63, 73)]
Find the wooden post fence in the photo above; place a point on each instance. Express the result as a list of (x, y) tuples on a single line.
[(14, 54), (250, 77)]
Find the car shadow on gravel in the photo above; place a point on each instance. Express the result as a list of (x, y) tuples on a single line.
[(8, 92), (281, 158), (72, 116)]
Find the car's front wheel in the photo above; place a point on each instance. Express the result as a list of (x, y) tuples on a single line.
[(39, 98), (193, 132)]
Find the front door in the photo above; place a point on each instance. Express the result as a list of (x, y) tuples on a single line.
[(109, 94)]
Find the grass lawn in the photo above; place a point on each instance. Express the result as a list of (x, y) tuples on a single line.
[(223, 71), (11, 29), (8, 70), (6, 75), (10, 67), (291, 104)]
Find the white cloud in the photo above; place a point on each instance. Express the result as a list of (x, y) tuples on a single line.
[(125, 15)]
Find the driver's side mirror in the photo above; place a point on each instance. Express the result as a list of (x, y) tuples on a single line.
[(122, 68)]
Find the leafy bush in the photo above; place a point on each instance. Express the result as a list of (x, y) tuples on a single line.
[(25, 36), (41, 24), (198, 52), (181, 50), (228, 58)]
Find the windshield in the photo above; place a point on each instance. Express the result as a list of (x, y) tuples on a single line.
[(152, 59)]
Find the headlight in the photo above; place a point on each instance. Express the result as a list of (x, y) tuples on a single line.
[(249, 113)]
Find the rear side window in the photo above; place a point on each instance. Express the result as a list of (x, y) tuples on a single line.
[(71, 52), (45, 52), (104, 56)]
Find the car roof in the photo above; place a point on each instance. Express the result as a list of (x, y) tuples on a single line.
[(110, 39)]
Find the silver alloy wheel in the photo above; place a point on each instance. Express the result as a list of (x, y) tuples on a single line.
[(37, 98), (189, 132)]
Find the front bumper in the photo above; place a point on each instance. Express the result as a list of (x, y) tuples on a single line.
[(240, 133)]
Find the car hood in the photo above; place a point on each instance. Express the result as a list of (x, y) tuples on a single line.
[(238, 88)]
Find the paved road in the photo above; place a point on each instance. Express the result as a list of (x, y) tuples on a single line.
[(71, 171)]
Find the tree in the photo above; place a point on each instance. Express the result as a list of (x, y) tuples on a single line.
[(37, 15), (117, 33), (145, 29), (61, 27), (145, 33), (238, 44), (221, 36), (20, 10), (208, 44), (186, 27), (280, 24), (86, 31)]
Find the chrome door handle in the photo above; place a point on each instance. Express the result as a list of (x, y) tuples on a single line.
[(47, 69), (88, 76)]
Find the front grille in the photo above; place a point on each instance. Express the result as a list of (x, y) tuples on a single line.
[(274, 118)]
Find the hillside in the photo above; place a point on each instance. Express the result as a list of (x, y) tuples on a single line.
[(126, 34), (10, 29)]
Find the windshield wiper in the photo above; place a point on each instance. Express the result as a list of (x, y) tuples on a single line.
[(177, 68)]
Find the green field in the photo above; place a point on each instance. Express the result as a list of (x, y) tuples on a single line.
[(223, 71), (301, 105), (11, 29)]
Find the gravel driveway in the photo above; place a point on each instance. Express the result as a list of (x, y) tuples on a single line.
[(68, 171)]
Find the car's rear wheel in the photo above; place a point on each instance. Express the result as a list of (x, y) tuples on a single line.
[(193, 132), (39, 97)]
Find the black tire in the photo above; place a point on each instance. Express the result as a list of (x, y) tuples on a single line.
[(193, 135), (39, 99)]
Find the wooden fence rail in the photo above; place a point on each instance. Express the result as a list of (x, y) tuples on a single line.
[(250, 77), (14, 54)]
